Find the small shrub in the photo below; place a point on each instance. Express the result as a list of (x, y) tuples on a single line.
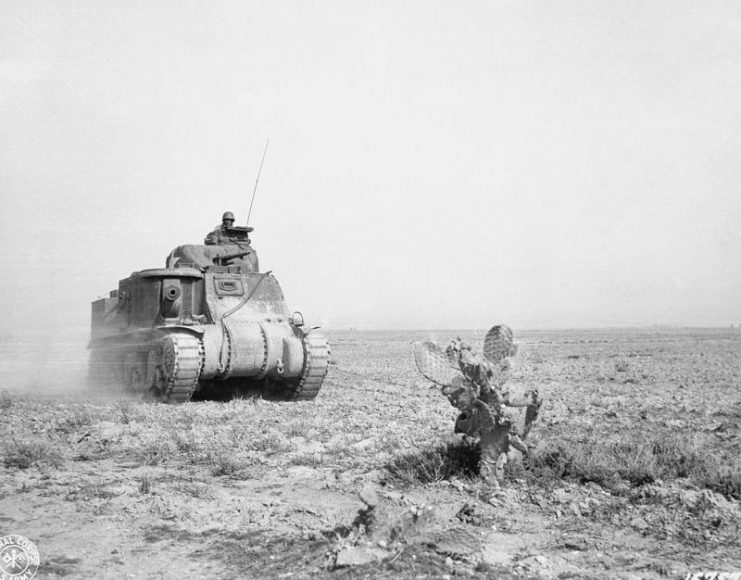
[(270, 442), (297, 428), (153, 452), (145, 484), (460, 458), (124, 411), (24, 454), (637, 461), (680, 455), (184, 439), (194, 489), (724, 479), (223, 464), (602, 463), (554, 461), (73, 418), (81, 416)]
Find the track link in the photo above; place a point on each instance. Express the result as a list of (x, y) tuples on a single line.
[(182, 357)]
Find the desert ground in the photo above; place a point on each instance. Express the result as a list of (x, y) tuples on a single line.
[(635, 470)]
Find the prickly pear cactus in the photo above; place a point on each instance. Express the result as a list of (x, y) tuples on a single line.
[(475, 385)]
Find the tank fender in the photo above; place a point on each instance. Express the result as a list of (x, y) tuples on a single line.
[(196, 331), (216, 353), (234, 348), (284, 351), (251, 349), (293, 356)]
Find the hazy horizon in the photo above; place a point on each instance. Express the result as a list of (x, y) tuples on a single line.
[(431, 165)]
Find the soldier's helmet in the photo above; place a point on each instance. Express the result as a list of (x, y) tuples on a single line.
[(227, 216)]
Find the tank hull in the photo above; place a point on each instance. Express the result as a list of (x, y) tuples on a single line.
[(182, 332)]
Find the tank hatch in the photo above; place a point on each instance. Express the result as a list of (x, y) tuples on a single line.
[(238, 258)]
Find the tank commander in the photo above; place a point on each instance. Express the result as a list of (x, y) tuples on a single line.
[(227, 233)]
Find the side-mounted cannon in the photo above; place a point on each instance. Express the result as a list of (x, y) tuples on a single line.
[(209, 324)]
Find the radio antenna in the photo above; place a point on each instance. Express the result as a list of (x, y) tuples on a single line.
[(254, 191)]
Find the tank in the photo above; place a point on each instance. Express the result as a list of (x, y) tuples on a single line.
[(209, 325)]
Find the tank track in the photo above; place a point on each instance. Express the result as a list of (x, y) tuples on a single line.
[(182, 357), (316, 361)]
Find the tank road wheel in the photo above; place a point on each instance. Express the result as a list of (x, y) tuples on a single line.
[(182, 361)]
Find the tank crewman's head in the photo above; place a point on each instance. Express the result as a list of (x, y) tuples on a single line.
[(227, 220)]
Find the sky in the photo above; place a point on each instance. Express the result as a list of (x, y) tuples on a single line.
[(431, 164)]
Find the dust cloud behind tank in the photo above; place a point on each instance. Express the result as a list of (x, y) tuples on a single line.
[(209, 325)]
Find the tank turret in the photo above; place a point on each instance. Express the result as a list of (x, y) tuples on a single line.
[(209, 324)]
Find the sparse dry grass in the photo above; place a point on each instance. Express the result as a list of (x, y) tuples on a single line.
[(638, 459), (641, 417), (24, 454), (459, 458), (145, 483)]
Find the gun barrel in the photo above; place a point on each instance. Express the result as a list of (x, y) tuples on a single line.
[(226, 257)]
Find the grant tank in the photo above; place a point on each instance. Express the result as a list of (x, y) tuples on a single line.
[(208, 325)]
